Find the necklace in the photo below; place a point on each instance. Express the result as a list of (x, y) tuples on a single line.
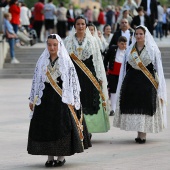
[(80, 42), (53, 62)]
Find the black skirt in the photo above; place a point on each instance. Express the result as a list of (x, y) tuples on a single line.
[(89, 95), (53, 130), (112, 83), (138, 95)]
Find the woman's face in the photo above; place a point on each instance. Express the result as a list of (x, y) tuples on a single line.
[(91, 28), (52, 45), (99, 34), (140, 35), (107, 30), (80, 26)]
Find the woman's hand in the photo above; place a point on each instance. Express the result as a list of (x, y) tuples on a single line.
[(161, 101), (31, 106)]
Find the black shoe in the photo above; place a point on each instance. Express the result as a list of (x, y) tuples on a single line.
[(112, 113), (140, 141), (49, 163), (59, 163), (137, 140)]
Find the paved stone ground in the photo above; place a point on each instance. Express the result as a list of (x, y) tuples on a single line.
[(115, 150)]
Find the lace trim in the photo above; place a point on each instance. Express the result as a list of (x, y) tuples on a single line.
[(54, 71), (84, 51), (70, 86), (145, 58)]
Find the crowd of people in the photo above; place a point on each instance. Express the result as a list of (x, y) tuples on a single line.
[(100, 63), (60, 20)]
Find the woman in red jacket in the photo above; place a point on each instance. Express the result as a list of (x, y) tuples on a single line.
[(101, 19), (14, 9)]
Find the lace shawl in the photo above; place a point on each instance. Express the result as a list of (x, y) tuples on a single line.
[(90, 47), (70, 86), (101, 41), (154, 54)]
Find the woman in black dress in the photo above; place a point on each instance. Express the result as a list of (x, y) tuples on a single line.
[(85, 47), (53, 129), (142, 94)]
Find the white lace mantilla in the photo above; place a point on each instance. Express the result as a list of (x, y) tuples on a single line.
[(54, 71), (145, 58), (70, 85), (151, 54), (89, 47)]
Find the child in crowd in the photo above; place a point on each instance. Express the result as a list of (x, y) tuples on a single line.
[(10, 35), (112, 63)]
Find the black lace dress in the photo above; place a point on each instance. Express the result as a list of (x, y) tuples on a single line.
[(53, 130), (90, 98)]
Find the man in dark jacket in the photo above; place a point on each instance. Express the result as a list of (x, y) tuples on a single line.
[(124, 31), (141, 19), (109, 15), (150, 8)]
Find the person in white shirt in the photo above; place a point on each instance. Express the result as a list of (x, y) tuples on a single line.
[(140, 19), (25, 16), (160, 20), (95, 16), (124, 30), (49, 14), (61, 21)]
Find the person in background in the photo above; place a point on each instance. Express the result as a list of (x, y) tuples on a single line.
[(160, 20), (57, 127), (141, 91), (109, 15), (131, 6), (100, 40), (70, 17), (95, 16), (165, 23), (61, 18), (101, 19), (107, 33), (112, 63), (140, 19), (10, 35), (151, 10), (89, 14), (25, 16), (124, 14), (124, 30), (103, 41), (49, 13), (38, 18), (15, 11)]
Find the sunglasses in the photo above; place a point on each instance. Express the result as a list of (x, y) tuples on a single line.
[(52, 36)]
